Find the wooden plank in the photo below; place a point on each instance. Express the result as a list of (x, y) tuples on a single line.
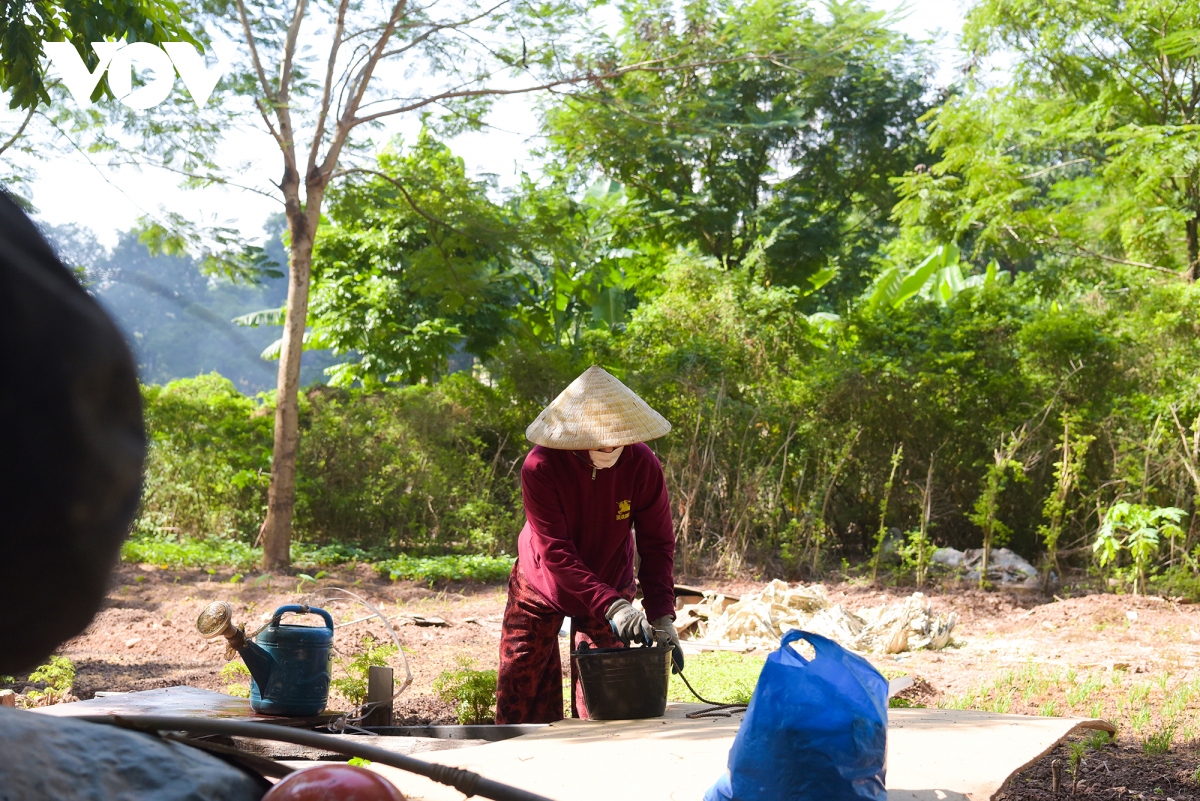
[(185, 701)]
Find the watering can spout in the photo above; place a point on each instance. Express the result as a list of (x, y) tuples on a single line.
[(258, 661), (217, 621)]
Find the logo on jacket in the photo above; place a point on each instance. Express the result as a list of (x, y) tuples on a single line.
[(622, 510)]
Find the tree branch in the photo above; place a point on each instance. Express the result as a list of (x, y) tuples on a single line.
[(21, 130), (253, 44), (361, 81), (404, 191), (327, 93), (289, 52), (652, 65)]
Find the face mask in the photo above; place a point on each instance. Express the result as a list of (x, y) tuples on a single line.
[(602, 460)]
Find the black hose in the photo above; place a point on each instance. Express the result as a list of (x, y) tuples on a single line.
[(464, 781), (718, 710)]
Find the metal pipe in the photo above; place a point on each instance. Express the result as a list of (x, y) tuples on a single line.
[(464, 781)]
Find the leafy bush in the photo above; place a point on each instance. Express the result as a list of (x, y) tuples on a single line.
[(430, 569), (168, 551), (427, 468), (58, 674), (1135, 528), (232, 674), (357, 669), (209, 460), (473, 692)]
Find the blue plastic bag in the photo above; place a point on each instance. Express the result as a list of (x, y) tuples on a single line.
[(814, 730)]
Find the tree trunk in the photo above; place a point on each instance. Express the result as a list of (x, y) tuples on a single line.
[(1193, 249), (281, 497)]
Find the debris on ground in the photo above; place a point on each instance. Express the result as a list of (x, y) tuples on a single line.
[(760, 619), (1004, 566)]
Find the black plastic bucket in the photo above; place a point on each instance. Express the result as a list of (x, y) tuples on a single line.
[(624, 683)]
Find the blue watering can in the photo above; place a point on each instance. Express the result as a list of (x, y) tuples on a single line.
[(289, 666)]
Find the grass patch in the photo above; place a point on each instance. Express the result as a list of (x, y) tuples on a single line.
[(215, 553), (720, 676), (1158, 709)]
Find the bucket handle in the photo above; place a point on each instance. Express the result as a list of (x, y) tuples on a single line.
[(301, 609)]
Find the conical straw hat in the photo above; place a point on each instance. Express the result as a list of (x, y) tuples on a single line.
[(596, 411)]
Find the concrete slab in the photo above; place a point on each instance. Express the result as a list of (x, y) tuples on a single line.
[(933, 755)]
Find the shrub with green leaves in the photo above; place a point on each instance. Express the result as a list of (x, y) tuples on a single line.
[(397, 469), (233, 674), (473, 692), (58, 674), (1135, 529), (430, 569), (357, 669)]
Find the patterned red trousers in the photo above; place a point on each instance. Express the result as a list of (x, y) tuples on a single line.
[(529, 687)]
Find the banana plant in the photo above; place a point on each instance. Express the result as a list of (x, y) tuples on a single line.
[(938, 277)]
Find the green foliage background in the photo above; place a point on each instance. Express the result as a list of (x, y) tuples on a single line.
[(806, 265)]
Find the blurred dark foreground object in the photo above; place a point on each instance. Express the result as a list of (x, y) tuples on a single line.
[(71, 450), (71, 447)]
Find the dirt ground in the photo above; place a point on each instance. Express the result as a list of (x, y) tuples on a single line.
[(1133, 661)]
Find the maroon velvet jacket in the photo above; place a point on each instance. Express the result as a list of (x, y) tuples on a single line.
[(577, 546)]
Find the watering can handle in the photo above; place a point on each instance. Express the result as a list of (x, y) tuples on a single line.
[(301, 610)]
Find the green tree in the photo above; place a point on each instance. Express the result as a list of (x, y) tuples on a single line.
[(25, 26), (1138, 529), (411, 264), (1087, 149), (321, 77), (723, 155)]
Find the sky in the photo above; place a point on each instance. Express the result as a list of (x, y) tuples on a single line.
[(72, 190)]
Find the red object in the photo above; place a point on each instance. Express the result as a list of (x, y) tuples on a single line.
[(529, 685), (334, 783), (577, 546)]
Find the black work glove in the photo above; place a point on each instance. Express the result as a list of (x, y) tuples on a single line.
[(629, 623), (666, 625)]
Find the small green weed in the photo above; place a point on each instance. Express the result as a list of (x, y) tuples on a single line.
[(1139, 692), (1048, 709), (1097, 739), (305, 578), (1083, 690), (359, 762), (58, 675), (1159, 742), (473, 692), (1077, 750), (1140, 718), (353, 686), (232, 674)]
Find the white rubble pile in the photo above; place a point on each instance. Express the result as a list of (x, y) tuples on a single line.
[(1004, 566), (760, 619)]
